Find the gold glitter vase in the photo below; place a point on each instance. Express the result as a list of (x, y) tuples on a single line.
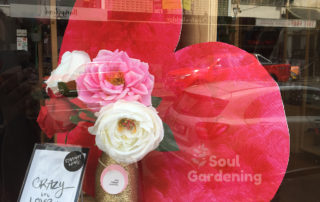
[(129, 194)]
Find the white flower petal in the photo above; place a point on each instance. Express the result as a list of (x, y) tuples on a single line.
[(71, 66), (126, 146)]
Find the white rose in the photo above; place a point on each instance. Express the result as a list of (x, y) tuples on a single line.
[(71, 66), (127, 131)]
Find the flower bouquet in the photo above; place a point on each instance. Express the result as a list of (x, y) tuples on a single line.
[(114, 94)]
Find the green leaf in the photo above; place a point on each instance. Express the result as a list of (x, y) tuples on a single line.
[(75, 119), (89, 114), (74, 107), (63, 88), (77, 108), (156, 101), (168, 143)]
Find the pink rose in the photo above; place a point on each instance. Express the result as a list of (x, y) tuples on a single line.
[(113, 76)]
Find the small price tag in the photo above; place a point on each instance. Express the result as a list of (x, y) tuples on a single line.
[(55, 174), (114, 179)]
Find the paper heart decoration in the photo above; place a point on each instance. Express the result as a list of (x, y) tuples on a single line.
[(227, 117)]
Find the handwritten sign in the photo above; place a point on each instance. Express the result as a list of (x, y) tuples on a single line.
[(55, 174)]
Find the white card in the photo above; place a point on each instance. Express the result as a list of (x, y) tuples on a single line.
[(55, 174)]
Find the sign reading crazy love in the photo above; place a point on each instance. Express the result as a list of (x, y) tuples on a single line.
[(55, 174)]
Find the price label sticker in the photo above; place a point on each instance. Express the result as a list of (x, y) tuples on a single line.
[(114, 179)]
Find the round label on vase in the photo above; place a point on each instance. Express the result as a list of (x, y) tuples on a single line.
[(114, 179)]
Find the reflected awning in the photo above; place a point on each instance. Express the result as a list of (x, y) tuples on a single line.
[(305, 13)]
